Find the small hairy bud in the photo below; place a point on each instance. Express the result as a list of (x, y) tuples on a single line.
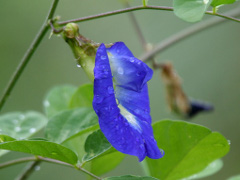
[(71, 30)]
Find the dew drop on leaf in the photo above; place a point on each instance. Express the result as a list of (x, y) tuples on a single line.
[(229, 142), (32, 130), (37, 168), (17, 129), (46, 103), (21, 117)]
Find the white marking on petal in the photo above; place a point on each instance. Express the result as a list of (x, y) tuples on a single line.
[(130, 118)]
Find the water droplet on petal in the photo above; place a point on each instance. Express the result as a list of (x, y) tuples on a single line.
[(137, 111), (118, 51), (103, 66), (142, 147), (105, 71), (103, 57), (132, 59), (17, 129), (138, 73), (120, 70), (98, 99), (110, 90), (32, 130), (162, 152)]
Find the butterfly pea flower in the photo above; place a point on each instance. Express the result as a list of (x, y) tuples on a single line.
[(121, 101)]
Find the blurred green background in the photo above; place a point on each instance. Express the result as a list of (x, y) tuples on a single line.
[(208, 62)]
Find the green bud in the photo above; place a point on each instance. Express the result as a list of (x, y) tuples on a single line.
[(83, 49), (71, 30)]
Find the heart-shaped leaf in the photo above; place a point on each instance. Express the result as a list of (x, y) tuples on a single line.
[(70, 122), (21, 125), (82, 97), (188, 147), (190, 10), (57, 99), (216, 3)]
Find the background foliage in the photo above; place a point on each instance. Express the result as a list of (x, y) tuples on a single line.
[(208, 63)]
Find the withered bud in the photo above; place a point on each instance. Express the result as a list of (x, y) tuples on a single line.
[(177, 100)]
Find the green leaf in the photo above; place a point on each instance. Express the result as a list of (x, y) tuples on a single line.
[(95, 154), (83, 97), (216, 3), (70, 122), (111, 159), (76, 142), (5, 138), (211, 169), (190, 10), (130, 177), (58, 99), (42, 148), (21, 125), (95, 145), (234, 178), (188, 147)]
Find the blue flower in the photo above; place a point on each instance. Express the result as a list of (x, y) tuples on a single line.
[(121, 101)]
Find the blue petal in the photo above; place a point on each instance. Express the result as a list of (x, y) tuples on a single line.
[(126, 125), (197, 107), (128, 71)]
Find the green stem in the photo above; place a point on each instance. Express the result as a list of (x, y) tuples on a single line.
[(26, 58), (87, 172), (137, 28), (198, 27), (214, 10), (144, 2), (40, 159), (29, 170), (17, 161), (136, 8)]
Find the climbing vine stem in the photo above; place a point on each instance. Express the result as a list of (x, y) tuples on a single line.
[(26, 58), (137, 8)]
